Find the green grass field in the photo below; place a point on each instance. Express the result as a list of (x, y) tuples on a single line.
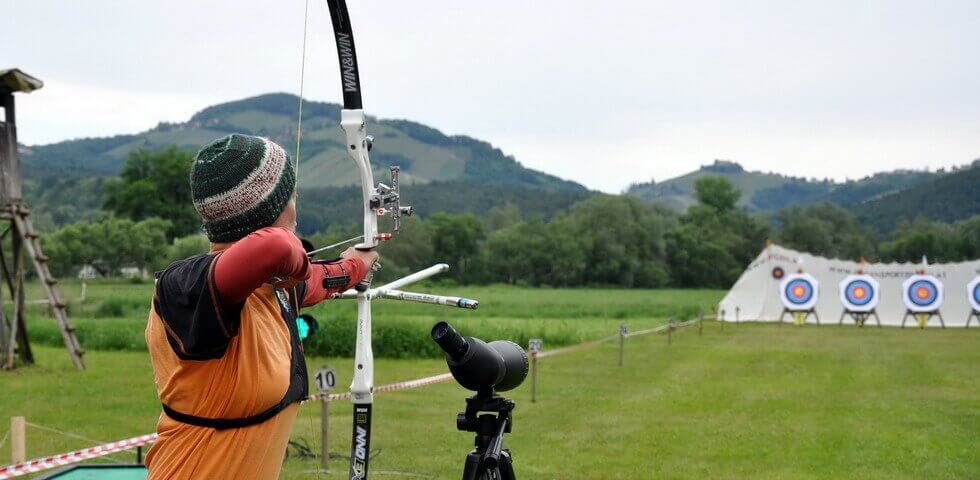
[(113, 316), (752, 401)]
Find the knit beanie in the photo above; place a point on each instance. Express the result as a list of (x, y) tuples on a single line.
[(239, 184)]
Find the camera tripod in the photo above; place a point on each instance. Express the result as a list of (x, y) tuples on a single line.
[(488, 460)]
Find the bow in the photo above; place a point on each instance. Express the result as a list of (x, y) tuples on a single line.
[(378, 200)]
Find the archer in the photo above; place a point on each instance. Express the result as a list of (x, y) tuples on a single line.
[(227, 359)]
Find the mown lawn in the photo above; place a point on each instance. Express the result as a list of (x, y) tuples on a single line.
[(752, 401)]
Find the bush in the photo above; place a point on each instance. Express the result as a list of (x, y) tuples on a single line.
[(121, 307)]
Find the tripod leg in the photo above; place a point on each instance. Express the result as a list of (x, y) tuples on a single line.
[(471, 469), (506, 468), (941, 322)]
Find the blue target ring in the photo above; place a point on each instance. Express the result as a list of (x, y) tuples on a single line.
[(923, 293), (859, 292), (976, 293), (799, 291)]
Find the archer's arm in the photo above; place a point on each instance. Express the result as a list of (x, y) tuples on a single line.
[(200, 298), (267, 253), (329, 278)]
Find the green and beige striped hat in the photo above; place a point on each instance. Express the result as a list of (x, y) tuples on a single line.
[(240, 184)]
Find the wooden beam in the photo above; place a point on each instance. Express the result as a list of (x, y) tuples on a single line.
[(18, 440)]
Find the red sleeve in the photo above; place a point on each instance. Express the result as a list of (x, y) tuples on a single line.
[(257, 258), (352, 268)]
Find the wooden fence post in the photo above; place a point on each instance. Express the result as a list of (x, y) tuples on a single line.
[(324, 433), (18, 440), (325, 380), (534, 376), (622, 341), (534, 345), (721, 319), (670, 328)]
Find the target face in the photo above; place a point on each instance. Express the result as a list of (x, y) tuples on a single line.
[(799, 291), (859, 293), (922, 293), (778, 273), (973, 290)]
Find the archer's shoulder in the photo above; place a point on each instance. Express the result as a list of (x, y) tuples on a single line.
[(273, 237), (185, 275)]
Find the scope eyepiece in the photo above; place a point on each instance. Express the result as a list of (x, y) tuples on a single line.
[(450, 340), (479, 366)]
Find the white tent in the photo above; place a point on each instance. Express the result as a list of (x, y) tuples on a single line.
[(756, 294)]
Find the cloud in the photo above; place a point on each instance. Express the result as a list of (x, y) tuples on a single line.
[(653, 89)]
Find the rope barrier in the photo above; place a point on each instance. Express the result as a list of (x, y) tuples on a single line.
[(45, 463), (71, 435), (661, 328), (67, 434), (573, 348)]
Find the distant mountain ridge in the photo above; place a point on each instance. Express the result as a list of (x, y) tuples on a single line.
[(768, 192), (424, 153), (947, 198), (453, 173), (63, 180), (881, 200)]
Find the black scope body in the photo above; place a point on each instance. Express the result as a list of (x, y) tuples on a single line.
[(500, 365)]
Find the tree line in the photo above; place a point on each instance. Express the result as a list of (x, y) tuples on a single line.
[(606, 240)]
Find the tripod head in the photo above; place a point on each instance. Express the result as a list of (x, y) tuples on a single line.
[(489, 428)]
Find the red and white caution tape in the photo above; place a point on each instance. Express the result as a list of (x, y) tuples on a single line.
[(36, 465), (391, 387), (421, 382)]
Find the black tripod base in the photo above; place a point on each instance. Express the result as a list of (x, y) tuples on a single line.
[(472, 469)]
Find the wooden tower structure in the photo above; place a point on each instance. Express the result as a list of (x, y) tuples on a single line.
[(17, 229)]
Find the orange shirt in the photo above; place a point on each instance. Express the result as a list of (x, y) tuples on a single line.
[(250, 377), (218, 362)]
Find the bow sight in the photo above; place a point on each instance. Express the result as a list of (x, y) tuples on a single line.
[(387, 199)]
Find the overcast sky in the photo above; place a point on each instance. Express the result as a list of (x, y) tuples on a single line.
[(602, 92)]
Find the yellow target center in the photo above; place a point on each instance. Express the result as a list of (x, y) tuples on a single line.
[(860, 292), (798, 291), (922, 293)]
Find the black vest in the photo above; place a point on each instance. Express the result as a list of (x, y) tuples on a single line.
[(191, 281)]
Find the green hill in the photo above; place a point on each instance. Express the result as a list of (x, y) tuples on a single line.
[(948, 198), (769, 192), (61, 179), (679, 192), (424, 153)]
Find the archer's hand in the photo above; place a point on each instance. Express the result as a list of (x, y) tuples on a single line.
[(369, 257)]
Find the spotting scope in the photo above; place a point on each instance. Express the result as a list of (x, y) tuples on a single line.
[(483, 367)]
